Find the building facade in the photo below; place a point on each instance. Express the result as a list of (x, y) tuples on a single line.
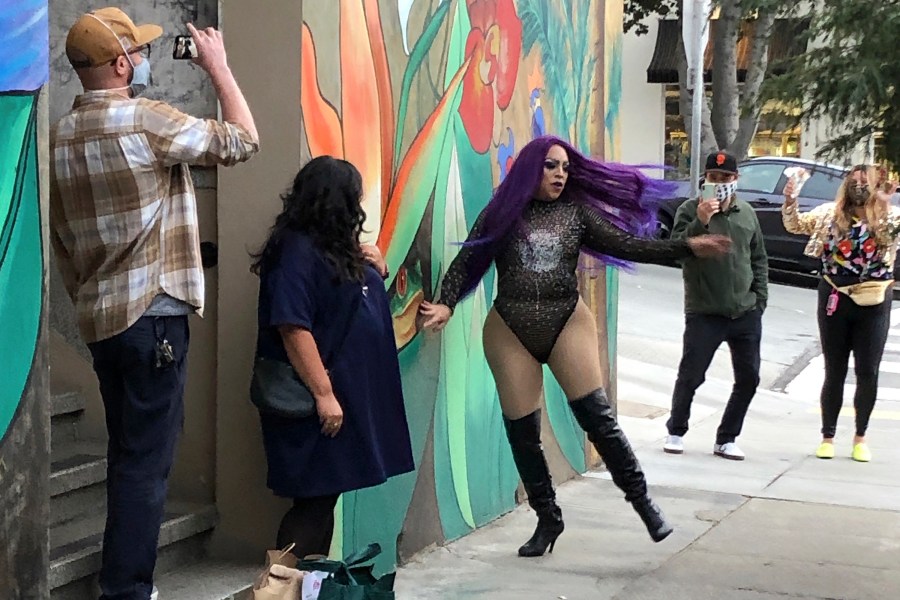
[(656, 130), (431, 99)]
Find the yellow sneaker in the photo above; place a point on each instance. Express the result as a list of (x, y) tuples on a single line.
[(825, 450), (861, 453)]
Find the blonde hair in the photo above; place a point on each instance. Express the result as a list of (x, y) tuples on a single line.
[(876, 212)]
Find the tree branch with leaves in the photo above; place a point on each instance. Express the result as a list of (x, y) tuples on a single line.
[(732, 117), (850, 76)]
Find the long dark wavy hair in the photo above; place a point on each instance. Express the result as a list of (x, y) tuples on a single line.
[(323, 203), (621, 194), (844, 211)]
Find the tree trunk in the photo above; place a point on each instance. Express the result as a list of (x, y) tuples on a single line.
[(685, 103), (726, 97), (751, 107)]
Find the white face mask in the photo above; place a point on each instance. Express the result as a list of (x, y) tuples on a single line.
[(140, 74), (724, 191)]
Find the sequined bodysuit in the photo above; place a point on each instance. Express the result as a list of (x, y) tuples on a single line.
[(537, 286)]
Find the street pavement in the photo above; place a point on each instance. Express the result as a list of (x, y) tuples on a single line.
[(781, 524), (651, 323)]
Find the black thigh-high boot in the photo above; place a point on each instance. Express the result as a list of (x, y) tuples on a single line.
[(595, 416), (525, 440)]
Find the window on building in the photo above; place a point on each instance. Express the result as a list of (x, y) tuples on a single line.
[(775, 136), (677, 145)]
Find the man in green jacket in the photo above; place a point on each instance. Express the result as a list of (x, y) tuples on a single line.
[(724, 299)]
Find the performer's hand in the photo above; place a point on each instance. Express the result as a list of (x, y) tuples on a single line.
[(434, 316), (374, 256), (708, 246)]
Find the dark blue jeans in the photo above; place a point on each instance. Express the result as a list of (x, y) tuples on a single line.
[(703, 334), (144, 415)]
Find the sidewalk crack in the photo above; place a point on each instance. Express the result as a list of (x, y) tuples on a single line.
[(790, 467), (785, 594)]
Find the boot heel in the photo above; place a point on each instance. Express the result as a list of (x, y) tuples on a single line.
[(544, 538), (652, 516), (525, 441)]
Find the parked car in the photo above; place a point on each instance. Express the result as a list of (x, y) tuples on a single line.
[(760, 184)]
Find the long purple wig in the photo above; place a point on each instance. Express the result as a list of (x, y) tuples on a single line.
[(622, 194)]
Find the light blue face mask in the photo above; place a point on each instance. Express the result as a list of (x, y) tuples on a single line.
[(140, 74)]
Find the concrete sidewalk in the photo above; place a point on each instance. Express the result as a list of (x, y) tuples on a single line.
[(781, 524)]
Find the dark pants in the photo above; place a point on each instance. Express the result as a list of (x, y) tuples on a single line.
[(144, 414), (703, 334), (864, 331)]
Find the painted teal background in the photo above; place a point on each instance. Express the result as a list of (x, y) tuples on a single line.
[(24, 69), (21, 264)]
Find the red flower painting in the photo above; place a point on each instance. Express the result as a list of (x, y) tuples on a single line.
[(494, 46)]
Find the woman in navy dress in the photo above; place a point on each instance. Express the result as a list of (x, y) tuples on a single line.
[(316, 283)]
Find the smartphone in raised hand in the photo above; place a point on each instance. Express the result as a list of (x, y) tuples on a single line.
[(707, 192), (799, 176), (184, 48)]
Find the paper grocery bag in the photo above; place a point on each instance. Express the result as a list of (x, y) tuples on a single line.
[(279, 580)]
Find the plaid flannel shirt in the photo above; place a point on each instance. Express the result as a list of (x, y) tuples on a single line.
[(123, 213)]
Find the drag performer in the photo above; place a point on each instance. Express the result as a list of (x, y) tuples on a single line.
[(554, 203)]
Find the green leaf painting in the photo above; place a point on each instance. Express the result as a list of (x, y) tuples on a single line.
[(442, 180), (21, 260)]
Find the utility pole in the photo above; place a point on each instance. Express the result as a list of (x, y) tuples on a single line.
[(695, 31)]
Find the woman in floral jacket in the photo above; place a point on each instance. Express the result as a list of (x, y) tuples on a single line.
[(856, 237)]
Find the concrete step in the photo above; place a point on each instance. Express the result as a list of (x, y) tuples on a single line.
[(75, 547), (77, 482), (66, 403), (209, 580), (66, 411)]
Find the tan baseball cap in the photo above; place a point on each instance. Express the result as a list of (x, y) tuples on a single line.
[(92, 40)]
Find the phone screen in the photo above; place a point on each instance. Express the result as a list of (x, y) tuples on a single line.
[(184, 48), (708, 191)]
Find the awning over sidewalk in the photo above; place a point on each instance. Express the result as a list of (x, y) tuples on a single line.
[(786, 43)]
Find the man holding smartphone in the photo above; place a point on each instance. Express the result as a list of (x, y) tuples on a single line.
[(724, 302), (123, 218)]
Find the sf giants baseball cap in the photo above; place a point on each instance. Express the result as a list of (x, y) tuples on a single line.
[(721, 161), (94, 39)]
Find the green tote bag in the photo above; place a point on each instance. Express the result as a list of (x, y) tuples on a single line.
[(350, 579)]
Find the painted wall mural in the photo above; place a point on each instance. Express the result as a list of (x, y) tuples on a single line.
[(23, 72), (431, 100), (614, 39)]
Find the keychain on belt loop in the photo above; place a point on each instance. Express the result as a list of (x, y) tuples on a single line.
[(832, 304), (164, 353)]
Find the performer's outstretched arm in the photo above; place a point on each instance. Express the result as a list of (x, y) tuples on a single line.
[(602, 236)]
